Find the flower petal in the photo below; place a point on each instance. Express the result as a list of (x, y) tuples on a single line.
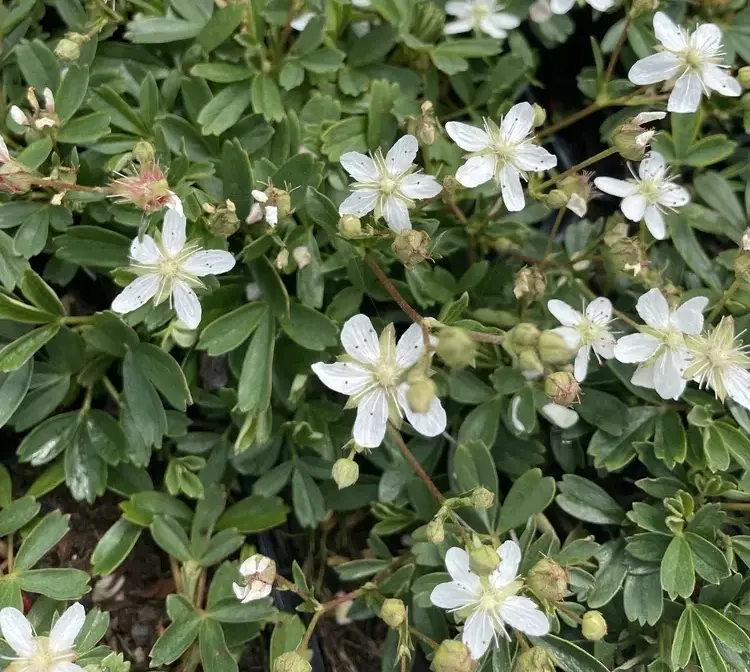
[(359, 202), (457, 564), (634, 207), (4, 154), (186, 305), (17, 632), (737, 383), (610, 185), (487, 26), (401, 156), (523, 614), (517, 124), (636, 348), (359, 166), (431, 423), (653, 309), (654, 68), (668, 33), (209, 262), (65, 667), (136, 294), (570, 335), (510, 186), (396, 214), (450, 595), (534, 158), (655, 222), (457, 8), (372, 418), (720, 80), (344, 377), (468, 138), (561, 6), (505, 20), (272, 215), (604, 345), (646, 117), (477, 170), (643, 376), (66, 629), (460, 26), (673, 195), (478, 633), (509, 553), (360, 340), (668, 380), (419, 185), (564, 314), (410, 347), (601, 5), (581, 364), (599, 310), (688, 318), (173, 234), (686, 94), (652, 167), (558, 415), (300, 22), (707, 37), (145, 251)]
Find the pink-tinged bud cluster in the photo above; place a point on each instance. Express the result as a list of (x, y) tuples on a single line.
[(146, 187)]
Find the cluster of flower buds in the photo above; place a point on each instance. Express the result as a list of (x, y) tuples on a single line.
[(42, 119), (270, 205)]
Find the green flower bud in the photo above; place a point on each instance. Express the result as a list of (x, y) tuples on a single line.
[(223, 221), (548, 580), (535, 659), (427, 22), (411, 247), (540, 115), (482, 498), (453, 656), (67, 50), (144, 151), (483, 560), (643, 7), (456, 347), (350, 226), (628, 255), (291, 662), (628, 140), (420, 395), (345, 472), (556, 199), (435, 531), (530, 283), (530, 364), (741, 267), (743, 76), (450, 184), (593, 627), (393, 612), (282, 200), (524, 335), (553, 349), (562, 388)]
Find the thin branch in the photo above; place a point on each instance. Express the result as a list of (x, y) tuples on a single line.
[(414, 462)]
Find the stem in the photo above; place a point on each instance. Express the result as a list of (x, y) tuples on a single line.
[(332, 604), (111, 390), (396, 435), (728, 293), (579, 166), (77, 319), (553, 234), (481, 337), (64, 186), (735, 506), (460, 216), (87, 400), (200, 590), (616, 52), (10, 553), (423, 638), (310, 629), (567, 121)]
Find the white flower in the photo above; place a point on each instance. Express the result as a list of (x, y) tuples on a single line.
[(42, 118), (660, 347), (489, 604), (719, 360), (694, 59), (299, 23), (639, 122), (585, 332), (302, 256), (19, 116), (647, 195), (480, 15), (564, 6), (169, 270), (261, 209), (55, 653), (540, 11), (373, 376), (259, 573), (559, 415), (503, 153), (389, 185)]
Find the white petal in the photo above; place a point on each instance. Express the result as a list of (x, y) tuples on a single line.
[(720, 80), (460, 26), (360, 167), (145, 251), (372, 418), (468, 138), (688, 318), (511, 189), (636, 348), (174, 203), (668, 380), (457, 8), (517, 124), (577, 205), (653, 309), (633, 207), (643, 376), (510, 560), (359, 202), (477, 170), (457, 564), (360, 340), (571, 336), (668, 33), (600, 310), (646, 117), (344, 377), (610, 185), (136, 294), (523, 614), (565, 315), (601, 5), (686, 95), (4, 154), (18, 115), (186, 305), (478, 633), (272, 215), (255, 214), (396, 214), (488, 26), (262, 196), (209, 262), (251, 565), (410, 347), (561, 6), (654, 68), (66, 629), (49, 100), (173, 234), (431, 423), (300, 22), (505, 21), (560, 416), (673, 195), (581, 365), (17, 632), (534, 158), (419, 185), (604, 345), (737, 382), (707, 37), (401, 156), (240, 592), (655, 222), (66, 667), (653, 166), (450, 595)]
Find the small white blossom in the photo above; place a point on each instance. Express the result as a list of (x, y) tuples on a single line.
[(258, 573), (19, 116), (389, 185), (484, 16), (564, 6), (55, 653), (4, 153), (719, 361), (41, 117), (694, 59), (302, 256), (373, 374), (660, 347), (640, 121), (490, 605), (559, 415), (648, 194), (505, 153), (170, 270), (585, 332)]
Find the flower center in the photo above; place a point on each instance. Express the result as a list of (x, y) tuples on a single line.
[(693, 58), (170, 267), (650, 190), (589, 330), (492, 598), (479, 12), (387, 374), (44, 658)]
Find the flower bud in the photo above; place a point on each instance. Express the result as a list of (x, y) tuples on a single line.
[(482, 498), (222, 220), (741, 267), (593, 627), (743, 76), (456, 347), (282, 259), (524, 335), (562, 388), (643, 7), (453, 656), (420, 395), (144, 151), (302, 256), (556, 199), (427, 22), (531, 366), (579, 192), (393, 612), (483, 560), (282, 200), (530, 283), (345, 472), (291, 662), (435, 531), (535, 659), (67, 50), (425, 126), (548, 580), (628, 255), (553, 349), (626, 141), (540, 115), (350, 226), (411, 247)]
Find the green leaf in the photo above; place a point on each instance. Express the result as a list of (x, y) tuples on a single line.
[(373, 47), (736, 442), (529, 495), (223, 73), (684, 131), (143, 401), (165, 374), (42, 539), (705, 647), (229, 611), (482, 423), (587, 501), (604, 411), (121, 114), (710, 563), (323, 60), (722, 628), (682, 646), (232, 329), (158, 30), (114, 547), (254, 389), (59, 584), (108, 333), (6, 495), (568, 656), (266, 98), (72, 91), (220, 26), (19, 512), (309, 505), (13, 388), (670, 440), (47, 440), (274, 291), (14, 355), (225, 109), (39, 293), (254, 514), (84, 130), (321, 210), (85, 470), (236, 177), (677, 570), (93, 246), (175, 640), (309, 328), (38, 65), (354, 570), (710, 150), (171, 537), (692, 253), (614, 452), (215, 656), (718, 194)]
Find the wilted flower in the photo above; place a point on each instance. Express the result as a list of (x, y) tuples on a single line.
[(146, 186), (484, 16), (270, 205), (564, 6), (222, 219), (548, 580), (694, 59), (41, 117), (561, 387), (504, 154), (258, 573), (291, 662), (578, 192), (411, 247), (170, 270), (345, 472), (529, 283)]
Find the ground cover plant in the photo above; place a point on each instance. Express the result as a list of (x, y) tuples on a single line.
[(374, 335)]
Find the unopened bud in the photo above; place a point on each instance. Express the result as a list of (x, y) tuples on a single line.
[(282, 259), (302, 256), (144, 151), (743, 76), (456, 347), (393, 612), (453, 656), (531, 366), (345, 472), (553, 349), (482, 498), (530, 283), (283, 202), (562, 388), (741, 267), (411, 247), (535, 659), (420, 395), (540, 115), (67, 50), (524, 335), (222, 220), (350, 226), (182, 335), (579, 192), (548, 580), (435, 531), (643, 7), (556, 199), (291, 662), (628, 142), (483, 560), (593, 626), (628, 255)]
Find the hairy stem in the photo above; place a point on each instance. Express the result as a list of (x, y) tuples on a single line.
[(553, 234), (616, 52), (414, 462), (579, 166), (423, 638)]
